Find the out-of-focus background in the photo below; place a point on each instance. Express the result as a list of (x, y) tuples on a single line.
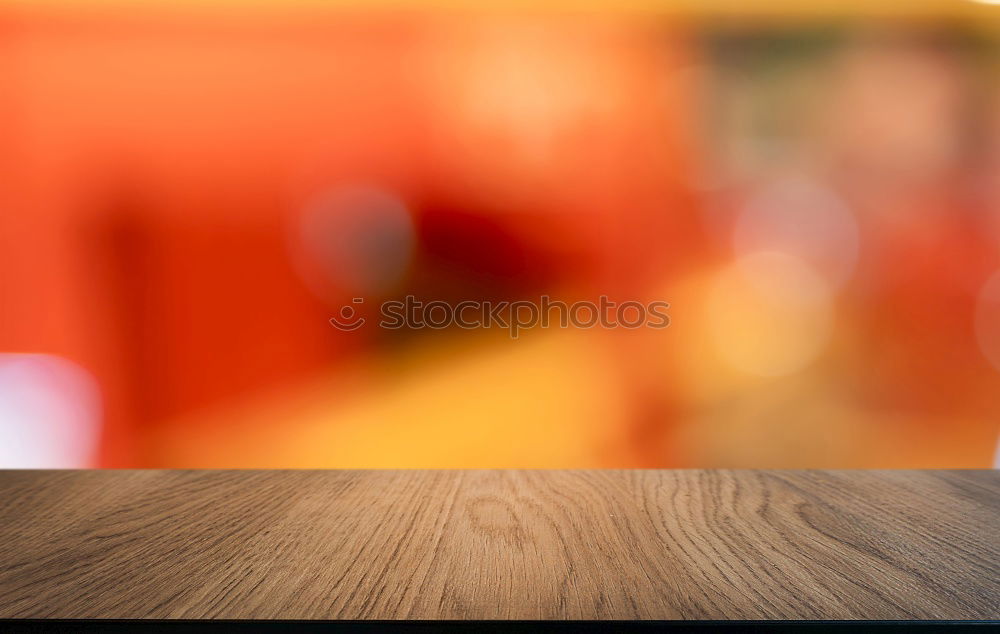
[(190, 190)]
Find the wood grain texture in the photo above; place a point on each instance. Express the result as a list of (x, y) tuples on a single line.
[(500, 544)]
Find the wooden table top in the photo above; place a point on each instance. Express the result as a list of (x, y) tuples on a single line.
[(500, 544)]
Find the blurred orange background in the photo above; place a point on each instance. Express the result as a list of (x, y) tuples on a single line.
[(191, 191)]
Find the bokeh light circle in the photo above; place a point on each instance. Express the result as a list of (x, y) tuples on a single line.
[(802, 218), (988, 320), (769, 314)]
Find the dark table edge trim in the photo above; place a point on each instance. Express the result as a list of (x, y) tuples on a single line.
[(154, 626)]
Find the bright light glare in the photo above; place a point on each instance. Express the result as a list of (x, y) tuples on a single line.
[(49, 413)]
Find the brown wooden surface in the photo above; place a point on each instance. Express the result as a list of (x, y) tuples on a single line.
[(500, 544)]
